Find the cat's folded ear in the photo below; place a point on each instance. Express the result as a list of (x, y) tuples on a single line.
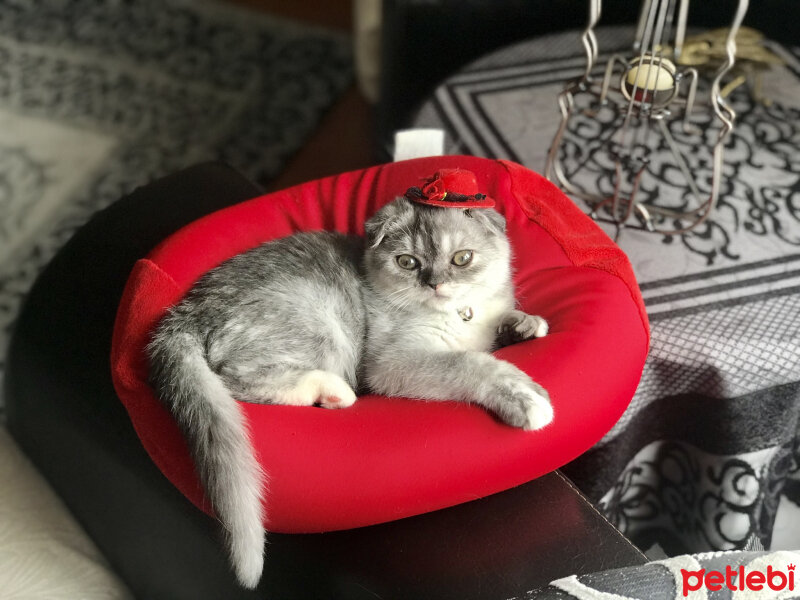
[(383, 221), (490, 218)]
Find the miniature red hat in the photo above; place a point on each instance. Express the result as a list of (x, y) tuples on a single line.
[(451, 188)]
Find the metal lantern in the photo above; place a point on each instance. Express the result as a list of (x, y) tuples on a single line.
[(653, 92)]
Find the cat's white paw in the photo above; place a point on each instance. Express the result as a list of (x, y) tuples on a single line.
[(541, 328), (334, 392), (518, 326), (539, 413), (318, 387), (520, 401)]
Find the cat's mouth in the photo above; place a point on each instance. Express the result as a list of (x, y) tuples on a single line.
[(440, 294), (439, 299)]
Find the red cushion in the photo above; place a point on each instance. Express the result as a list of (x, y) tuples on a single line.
[(387, 458)]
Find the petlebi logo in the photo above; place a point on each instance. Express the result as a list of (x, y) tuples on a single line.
[(742, 579)]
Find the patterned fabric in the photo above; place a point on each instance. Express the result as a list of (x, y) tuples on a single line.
[(100, 96), (707, 452), (710, 576)]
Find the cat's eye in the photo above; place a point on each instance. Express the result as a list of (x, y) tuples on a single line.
[(462, 258), (408, 262)]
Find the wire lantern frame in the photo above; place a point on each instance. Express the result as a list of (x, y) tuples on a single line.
[(648, 91)]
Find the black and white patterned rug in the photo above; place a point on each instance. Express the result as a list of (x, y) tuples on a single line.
[(708, 449), (733, 575), (98, 97)]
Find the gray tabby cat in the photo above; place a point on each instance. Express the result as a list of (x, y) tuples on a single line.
[(312, 318)]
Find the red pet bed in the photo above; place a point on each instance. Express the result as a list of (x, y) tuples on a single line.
[(387, 458)]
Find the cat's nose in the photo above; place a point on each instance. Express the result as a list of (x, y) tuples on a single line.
[(435, 286)]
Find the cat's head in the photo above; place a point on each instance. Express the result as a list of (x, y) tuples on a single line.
[(444, 258)]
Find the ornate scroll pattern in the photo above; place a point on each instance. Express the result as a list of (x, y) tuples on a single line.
[(706, 501), (760, 191)]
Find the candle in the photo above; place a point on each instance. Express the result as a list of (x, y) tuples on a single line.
[(652, 74)]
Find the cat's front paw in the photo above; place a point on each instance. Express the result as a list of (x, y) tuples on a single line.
[(525, 405), (539, 412), (518, 326)]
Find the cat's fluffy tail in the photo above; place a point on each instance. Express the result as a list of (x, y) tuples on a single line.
[(219, 440)]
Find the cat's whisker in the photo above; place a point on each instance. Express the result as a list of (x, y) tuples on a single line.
[(400, 291), (399, 297), (399, 304)]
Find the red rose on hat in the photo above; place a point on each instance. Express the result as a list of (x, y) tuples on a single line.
[(451, 188)]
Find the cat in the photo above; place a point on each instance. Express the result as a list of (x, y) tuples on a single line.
[(411, 310)]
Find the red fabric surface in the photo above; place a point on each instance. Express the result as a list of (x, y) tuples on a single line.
[(387, 458)]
